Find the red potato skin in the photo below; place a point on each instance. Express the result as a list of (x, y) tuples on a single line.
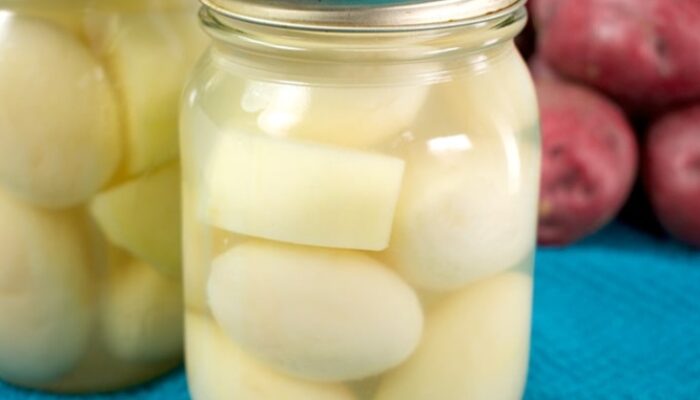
[(589, 161), (644, 53), (672, 172)]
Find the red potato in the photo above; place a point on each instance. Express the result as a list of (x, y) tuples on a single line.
[(589, 161), (672, 172), (644, 53)]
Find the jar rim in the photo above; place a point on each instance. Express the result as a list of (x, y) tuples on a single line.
[(364, 16)]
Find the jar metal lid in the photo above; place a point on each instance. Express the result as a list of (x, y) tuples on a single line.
[(362, 15)]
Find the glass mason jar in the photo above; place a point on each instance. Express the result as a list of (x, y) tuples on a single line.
[(90, 287), (360, 198)]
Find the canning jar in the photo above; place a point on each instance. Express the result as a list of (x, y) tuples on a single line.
[(90, 287), (360, 184)]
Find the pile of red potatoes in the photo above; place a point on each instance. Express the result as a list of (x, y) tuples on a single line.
[(618, 84)]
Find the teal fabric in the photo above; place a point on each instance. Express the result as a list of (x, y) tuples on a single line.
[(616, 317)]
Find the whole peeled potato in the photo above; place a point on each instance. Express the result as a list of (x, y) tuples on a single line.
[(46, 293), (59, 131), (589, 160), (672, 172), (642, 52)]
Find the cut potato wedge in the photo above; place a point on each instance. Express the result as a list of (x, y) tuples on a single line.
[(218, 370), (149, 56), (327, 315), (302, 193), (142, 216), (46, 293), (59, 130), (141, 314), (475, 346)]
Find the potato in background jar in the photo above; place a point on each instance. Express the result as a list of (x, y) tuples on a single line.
[(59, 130), (46, 292)]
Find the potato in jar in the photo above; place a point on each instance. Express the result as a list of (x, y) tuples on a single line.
[(302, 193), (320, 314), (142, 216), (148, 56), (141, 312), (465, 209), (67, 14), (496, 98), (475, 346), (219, 370), (347, 116), (59, 129), (46, 293), (472, 171)]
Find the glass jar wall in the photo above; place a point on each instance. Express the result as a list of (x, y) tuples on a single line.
[(90, 287), (359, 212)]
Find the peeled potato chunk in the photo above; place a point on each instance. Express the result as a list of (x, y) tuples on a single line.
[(148, 56), (475, 346), (141, 312), (469, 199), (142, 216), (218, 370), (344, 116), (46, 298), (59, 129), (68, 14), (510, 104), (467, 209), (302, 193), (327, 315)]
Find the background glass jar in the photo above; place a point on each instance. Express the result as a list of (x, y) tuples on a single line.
[(359, 206), (90, 288)]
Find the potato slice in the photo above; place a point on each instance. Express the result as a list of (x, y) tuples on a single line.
[(59, 128), (141, 313), (344, 116), (301, 193), (475, 346), (46, 293), (327, 315), (149, 56), (218, 370), (143, 217)]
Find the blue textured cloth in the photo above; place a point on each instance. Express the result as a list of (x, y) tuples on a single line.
[(616, 317)]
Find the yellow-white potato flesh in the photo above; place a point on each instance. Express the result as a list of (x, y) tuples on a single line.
[(217, 369), (59, 126), (327, 315), (475, 346), (301, 193)]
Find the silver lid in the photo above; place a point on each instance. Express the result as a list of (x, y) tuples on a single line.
[(362, 15)]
